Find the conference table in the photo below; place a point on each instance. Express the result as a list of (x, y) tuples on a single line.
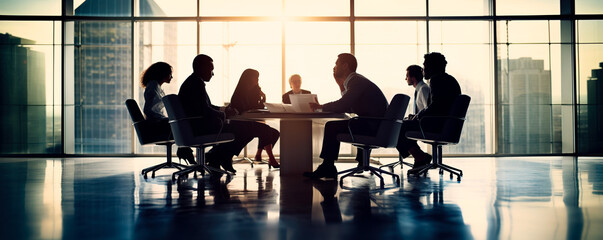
[(301, 137)]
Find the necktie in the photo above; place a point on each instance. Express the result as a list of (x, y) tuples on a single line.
[(415, 101)]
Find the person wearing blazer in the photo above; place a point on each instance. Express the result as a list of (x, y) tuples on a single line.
[(295, 82), (444, 90), (358, 95), (196, 103)]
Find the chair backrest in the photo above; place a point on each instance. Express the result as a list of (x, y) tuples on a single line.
[(452, 129), (134, 111), (181, 130), (390, 129), (143, 131)]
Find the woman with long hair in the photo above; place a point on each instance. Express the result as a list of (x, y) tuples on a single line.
[(248, 96), (151, 80)]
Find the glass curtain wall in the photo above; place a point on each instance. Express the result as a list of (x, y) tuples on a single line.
[(532, 71)]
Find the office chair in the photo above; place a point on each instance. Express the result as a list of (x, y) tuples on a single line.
[(400, 162), (148, 135), (183, 134), (387, 136), (452, 126)]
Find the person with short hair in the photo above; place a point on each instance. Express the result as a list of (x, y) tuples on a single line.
[(358, 95), (444, 90), (295, 82)]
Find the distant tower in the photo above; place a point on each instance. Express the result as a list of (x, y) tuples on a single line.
[(525, 112), (594, 128), (23, 97), (103, 75)]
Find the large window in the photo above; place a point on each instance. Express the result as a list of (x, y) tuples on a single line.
[(30, 96), (590, 87), (532, 68)]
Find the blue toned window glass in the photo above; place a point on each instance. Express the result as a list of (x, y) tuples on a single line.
[(102, 8), (98, 81), (529, 88), (590, 87), (30, 94)]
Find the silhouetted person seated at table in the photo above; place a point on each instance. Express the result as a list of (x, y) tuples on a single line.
[(295, 82), (358, 95), (444, 90), (151, 80), (414, 77), (248, 96), (196, 103)]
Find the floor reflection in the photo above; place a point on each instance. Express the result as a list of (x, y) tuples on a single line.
[(498, 198)]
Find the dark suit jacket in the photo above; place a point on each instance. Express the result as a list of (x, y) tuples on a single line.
[(286, 98), (362, 97), (196, 103), (444, 90)]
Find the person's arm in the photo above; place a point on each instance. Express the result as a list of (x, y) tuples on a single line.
[(355, 90), (423, 97), (286, 98), (152, 102)]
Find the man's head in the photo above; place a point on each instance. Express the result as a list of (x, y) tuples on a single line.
[(295, 82), (414, 75), (345, 64), (203, 66), (435, 63)]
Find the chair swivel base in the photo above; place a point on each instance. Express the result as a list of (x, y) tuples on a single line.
[(243, 159), (157, 167), (376, 171), (201, 168), (442, 167), (391, 166)]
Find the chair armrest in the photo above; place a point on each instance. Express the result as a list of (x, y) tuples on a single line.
[(433, 120), (367, 119), (200, 117)]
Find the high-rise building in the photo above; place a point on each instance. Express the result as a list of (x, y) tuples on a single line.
[(594, 107), (525, 122), (22, 97), (103, 69)]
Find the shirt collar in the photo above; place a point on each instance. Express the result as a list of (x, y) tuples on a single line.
[(347, 81)]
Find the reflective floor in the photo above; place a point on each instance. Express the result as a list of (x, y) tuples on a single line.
[(107, 198)]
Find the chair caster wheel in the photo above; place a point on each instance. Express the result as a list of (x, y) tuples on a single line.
[(451, 175), (458, 178), (153, 175), (441, 172), (145, 176)]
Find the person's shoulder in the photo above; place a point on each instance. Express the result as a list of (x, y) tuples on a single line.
[(289, 92)]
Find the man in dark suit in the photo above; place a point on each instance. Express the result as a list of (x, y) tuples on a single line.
[(196, 103), (295, 82), (444, 90), (359, 96)]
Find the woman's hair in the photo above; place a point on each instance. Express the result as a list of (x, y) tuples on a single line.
[(156, 71), (247, 93), (246, 82)]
